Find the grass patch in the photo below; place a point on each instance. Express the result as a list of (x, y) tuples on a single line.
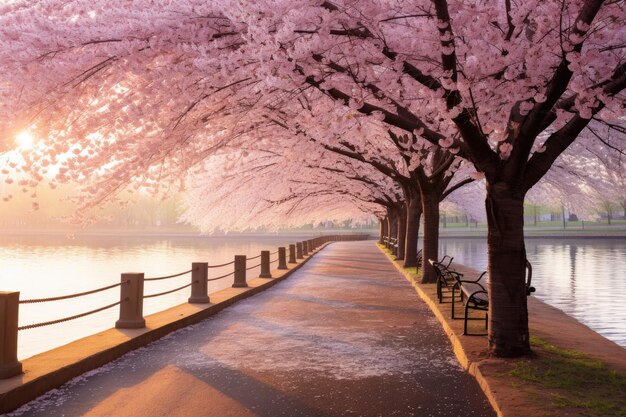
[(411, 269), (384, 248), (573, 380)]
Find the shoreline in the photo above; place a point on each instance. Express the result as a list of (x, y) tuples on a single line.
[(170, 233), (51, 369), (601, 233), (591, 235)]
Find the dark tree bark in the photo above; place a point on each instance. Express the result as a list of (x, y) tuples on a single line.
[(508, 311), (393, 225), (430, 246), (414, 213), (401, 232), (381, 230)]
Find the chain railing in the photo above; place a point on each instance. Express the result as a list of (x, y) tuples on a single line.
[(168, 276), (221, 277), (65, 297), (252, 267), (221, 265), (132, 293), (64, 319), (168, 292)]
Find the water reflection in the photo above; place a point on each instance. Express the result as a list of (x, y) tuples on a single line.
[(45, 266), (583, 277)]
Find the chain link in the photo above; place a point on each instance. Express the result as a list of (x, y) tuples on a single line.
[(223, 276), (65, 297), (252, 267), (168, 292), (77, 316), (219, 266), (168, 276)]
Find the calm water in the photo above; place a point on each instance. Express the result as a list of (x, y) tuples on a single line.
[(50, 265), (586, 278)]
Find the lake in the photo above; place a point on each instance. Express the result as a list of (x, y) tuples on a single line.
[(583, 277), (46, 266)]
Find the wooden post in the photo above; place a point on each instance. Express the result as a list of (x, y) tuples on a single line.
[(282, 258), (305, 248), (240, 272), (131, 297), (265, 265), (299, 250), (9, 309), (199, 284), (292, 254)]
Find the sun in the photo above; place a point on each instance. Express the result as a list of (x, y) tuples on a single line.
[(25, 140)]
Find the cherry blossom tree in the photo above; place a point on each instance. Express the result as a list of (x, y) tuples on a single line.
[(593, 171), (141, 94), (277, 190), (508, 87)]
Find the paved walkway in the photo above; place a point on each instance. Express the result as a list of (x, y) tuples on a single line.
[(346, 335)]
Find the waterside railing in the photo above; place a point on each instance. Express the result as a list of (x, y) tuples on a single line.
[(132, 293)]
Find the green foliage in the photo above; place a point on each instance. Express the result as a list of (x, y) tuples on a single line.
[(574, 379)]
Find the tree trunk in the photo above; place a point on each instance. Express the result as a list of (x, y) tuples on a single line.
[(381, 228), (401, 233), (430, 246), (508, 311), (392, 225), (414, 212)]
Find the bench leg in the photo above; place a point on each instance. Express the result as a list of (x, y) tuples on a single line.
[(467, 318), (453, 304), (465, 321), (439, 294)]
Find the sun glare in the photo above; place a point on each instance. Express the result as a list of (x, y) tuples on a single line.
[(24, 140)]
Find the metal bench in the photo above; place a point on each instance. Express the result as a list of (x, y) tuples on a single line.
[(446, 261), (446, 277), (474, 296), (388, 241)]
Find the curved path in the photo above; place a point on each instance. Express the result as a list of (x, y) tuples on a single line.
[(346, 335)]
